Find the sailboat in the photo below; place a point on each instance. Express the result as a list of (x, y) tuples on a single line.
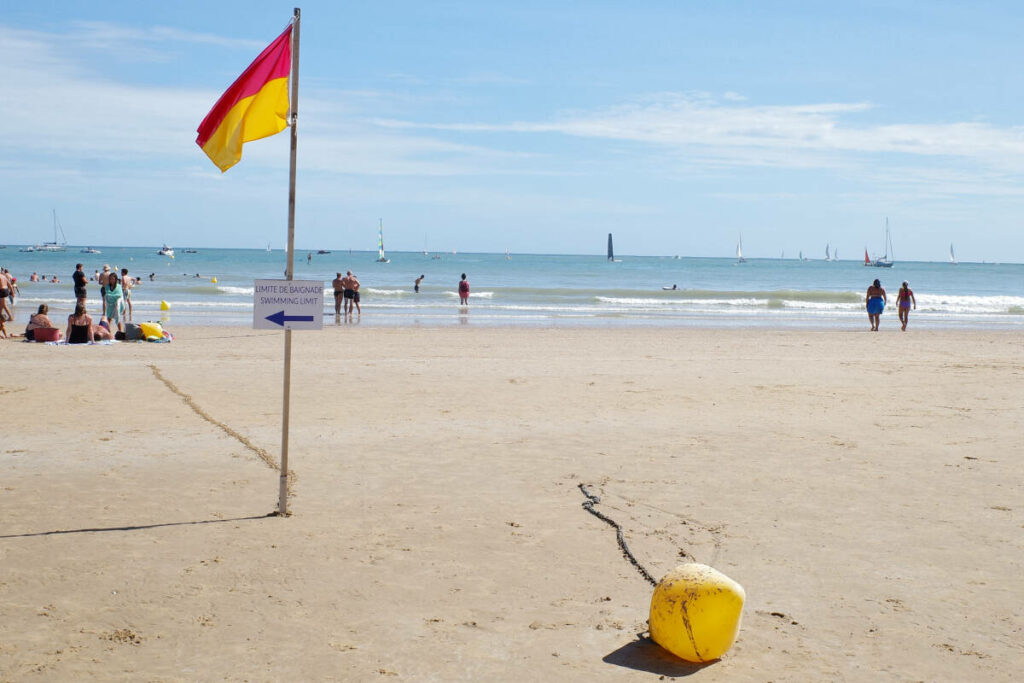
[(268, 247), (55, 245), (611, 252), (380, 244), (508, 256), (739, 251), (952, 256), (828, 257), (886, 260)]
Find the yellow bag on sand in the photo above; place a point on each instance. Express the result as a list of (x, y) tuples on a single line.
[(151, 330)]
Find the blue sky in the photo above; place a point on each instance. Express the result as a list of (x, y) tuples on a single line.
[(533, 126)]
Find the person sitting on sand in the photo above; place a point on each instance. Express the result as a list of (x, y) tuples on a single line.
[(37, 321), (81, 329), (875, 300)]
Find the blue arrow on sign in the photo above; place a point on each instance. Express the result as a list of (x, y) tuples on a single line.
[(280, 318)]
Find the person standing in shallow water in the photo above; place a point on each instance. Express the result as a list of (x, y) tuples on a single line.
[(80, 281), (875, 300), (903, 301), (464, 291)]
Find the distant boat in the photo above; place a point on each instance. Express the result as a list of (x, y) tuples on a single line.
[(55, 245), (27, 250), (835, 255), (739, 251), (611, 251), (952, 256), (323, 251), (800, 256), (380, 243), (828, 257), (90, 250), (166, 251), (268, 248), (885, 261), (191, 251), (508, 256)]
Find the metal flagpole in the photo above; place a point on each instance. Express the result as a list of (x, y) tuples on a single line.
[(282, 505)]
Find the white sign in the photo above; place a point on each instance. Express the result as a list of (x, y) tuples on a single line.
[(288, 305)]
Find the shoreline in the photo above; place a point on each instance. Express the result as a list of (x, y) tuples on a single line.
[(863, 488)]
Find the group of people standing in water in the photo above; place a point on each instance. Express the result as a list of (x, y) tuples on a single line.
[(876, 299)]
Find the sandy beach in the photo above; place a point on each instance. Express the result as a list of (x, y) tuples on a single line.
[(864, 488)]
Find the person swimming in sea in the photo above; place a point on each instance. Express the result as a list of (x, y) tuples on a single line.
[(875, 300)]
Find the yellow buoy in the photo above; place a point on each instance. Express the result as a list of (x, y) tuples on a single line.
[(164, 306), (695, 612), (214, 280)]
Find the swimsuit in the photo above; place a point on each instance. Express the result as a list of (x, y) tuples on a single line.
[(79, 334), (4, 293), (904, 301), (349, 293), (876, 305), (355, 295)]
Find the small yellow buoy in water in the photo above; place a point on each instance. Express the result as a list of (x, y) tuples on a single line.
[(164, 306), (695, 612), (214, 280)]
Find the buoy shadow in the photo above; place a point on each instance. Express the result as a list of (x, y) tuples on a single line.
[(646, 655)]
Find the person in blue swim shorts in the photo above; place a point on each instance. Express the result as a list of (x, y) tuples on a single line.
[(875, 301)]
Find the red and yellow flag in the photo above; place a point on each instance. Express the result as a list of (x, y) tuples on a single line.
[(254, 107)]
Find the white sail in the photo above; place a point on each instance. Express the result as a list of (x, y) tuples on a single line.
[(827, 257), (739, 251), (952, 256)]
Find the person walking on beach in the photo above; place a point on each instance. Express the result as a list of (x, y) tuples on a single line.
[(339, 293), (904, 299), (416, 285), (875, 300), (464, 291), (78, 277)]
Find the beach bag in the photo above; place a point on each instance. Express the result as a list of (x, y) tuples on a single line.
[(132, 332), (45, 334)]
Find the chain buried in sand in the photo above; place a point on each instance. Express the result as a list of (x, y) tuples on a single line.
[(588, 505), (190, 402)]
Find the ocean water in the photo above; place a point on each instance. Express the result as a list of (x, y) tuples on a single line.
[(539, 290)]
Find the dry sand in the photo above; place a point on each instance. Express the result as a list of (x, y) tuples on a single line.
[(864, 488)]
